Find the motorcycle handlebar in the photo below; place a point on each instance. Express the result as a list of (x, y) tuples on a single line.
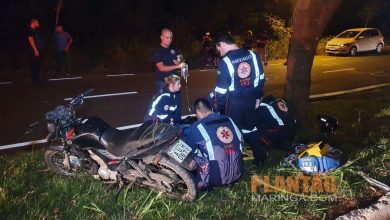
[(78, 100), (89, 91)]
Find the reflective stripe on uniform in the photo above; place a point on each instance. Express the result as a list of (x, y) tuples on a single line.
[(231, 72), (162, 116), (257, 71), (237, 132), (220, 90), (206, 137), (273, 113), (248, 131), (156, 102)]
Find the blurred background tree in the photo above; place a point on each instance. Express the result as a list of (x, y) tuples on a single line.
[(123, 33), (368, 11)]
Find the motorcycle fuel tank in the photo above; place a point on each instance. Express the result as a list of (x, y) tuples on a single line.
[(89, 131)]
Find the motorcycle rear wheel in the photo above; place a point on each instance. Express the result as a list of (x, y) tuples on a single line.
[(183, 187), (56, 162)]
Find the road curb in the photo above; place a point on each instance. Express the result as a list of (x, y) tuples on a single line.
[(324, 96), (377, 211)]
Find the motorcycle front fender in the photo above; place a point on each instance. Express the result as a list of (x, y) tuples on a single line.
[(50, 137), (50, 140)]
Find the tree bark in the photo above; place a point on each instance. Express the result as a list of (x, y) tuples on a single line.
[(58, 10), (309, 21)]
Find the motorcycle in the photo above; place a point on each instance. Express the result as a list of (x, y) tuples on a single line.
[(152, 156)]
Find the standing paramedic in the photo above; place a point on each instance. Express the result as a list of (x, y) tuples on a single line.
[(165, 59), (239, 87), (216, 144)]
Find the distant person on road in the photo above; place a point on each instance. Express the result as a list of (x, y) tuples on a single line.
[(165, 106), (216, 144), (63, 41), (35, 45), (165, 59), (208, 50), (261, 43), (248, 41)]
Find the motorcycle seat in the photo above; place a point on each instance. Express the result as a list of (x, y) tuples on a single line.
[(120, 142)]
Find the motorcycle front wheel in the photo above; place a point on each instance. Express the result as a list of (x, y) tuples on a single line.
[(183, 185), (56, 161)]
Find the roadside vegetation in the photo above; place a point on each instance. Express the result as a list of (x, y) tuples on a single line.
[(29, 191), (121, 53)]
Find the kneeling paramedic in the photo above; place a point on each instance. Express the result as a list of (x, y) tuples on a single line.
[(216, 144), (274, 123), (165, 106)]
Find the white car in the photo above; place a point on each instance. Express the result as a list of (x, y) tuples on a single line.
[(356, 40)]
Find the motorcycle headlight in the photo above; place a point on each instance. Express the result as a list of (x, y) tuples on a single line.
[(51, 127)]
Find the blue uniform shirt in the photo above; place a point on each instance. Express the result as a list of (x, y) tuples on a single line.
[(165, 107), (239, 74), (216, 144), (62, 40), (274, 115)]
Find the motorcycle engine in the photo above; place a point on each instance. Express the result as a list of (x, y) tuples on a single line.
[(104, 172)]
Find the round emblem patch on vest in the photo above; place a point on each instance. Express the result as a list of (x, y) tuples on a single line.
[(166, 107), (172, 51), (224, 134), (244, 69), (282, 106)]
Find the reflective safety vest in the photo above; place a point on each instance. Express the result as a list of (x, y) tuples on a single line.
[(240, 73), (216, 144), (165, 108)]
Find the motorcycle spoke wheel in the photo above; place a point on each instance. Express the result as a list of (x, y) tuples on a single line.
[(56, 161), (182, 186)]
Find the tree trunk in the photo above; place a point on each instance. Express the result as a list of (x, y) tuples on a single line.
[(309, 20), (58, 10)]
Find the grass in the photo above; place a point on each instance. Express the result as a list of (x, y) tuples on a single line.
[(29, 191)]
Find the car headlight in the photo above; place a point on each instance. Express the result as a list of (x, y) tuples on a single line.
[(344, 45)]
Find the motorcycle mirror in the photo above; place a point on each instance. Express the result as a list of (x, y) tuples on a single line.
[(89, 91)]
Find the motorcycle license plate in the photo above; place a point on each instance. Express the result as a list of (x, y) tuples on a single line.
[(179, 151)]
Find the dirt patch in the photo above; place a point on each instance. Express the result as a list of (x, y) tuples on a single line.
[(342, 206)]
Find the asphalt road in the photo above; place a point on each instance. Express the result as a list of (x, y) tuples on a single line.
[(24, 103)]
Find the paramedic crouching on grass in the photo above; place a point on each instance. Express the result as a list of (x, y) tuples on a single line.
[(216, 144)]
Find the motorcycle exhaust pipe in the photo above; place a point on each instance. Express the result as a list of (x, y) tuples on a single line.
[(104, 172)]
